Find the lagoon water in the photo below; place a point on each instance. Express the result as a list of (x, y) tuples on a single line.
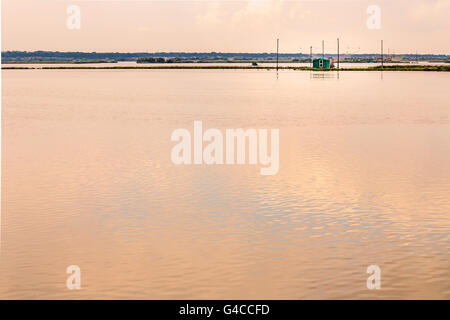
[(87, 180)]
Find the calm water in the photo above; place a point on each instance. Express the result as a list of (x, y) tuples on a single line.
[(87, 180)]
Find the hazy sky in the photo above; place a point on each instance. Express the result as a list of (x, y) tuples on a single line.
[(228, 26)]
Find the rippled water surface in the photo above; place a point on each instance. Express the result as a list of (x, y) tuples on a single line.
[(87, 180)]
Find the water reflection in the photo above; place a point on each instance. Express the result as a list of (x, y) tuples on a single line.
[(364, 179)]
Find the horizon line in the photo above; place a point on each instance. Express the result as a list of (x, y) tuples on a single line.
[(226, 52)]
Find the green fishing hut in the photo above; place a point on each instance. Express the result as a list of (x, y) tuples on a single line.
[(322, 63)]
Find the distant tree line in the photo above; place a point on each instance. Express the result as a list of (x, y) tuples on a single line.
[(163, 60), (8, 56), (134, 56)]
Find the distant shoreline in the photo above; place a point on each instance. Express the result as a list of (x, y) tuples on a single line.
[(440, 68), (203, 62)]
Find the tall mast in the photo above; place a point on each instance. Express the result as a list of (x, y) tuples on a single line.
[(278, 43), (323, 49), (338, 52)]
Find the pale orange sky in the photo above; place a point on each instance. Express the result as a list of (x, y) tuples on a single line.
[(227, 26)]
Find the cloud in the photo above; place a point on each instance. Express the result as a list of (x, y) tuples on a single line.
[(263, 13), (251, 14), (211, 16), (428, 11)]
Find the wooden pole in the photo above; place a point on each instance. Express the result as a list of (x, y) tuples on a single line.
[(310, 57), (338, 52), (382, 56), (323, 49), (278, 43)]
